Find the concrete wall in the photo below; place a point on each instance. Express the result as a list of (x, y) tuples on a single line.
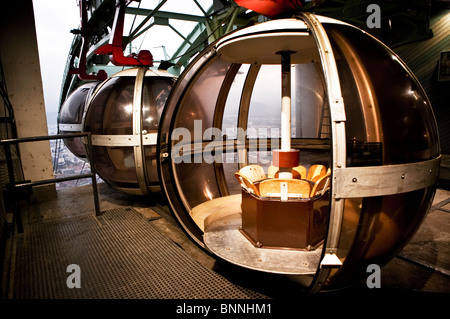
[(20, 59)]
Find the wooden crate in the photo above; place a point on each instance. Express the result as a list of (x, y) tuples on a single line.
[(293, 224)]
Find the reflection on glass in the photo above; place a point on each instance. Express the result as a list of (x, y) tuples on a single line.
[(200, 101), (71, 112), (156, 91), (116, 166), (110, 110)]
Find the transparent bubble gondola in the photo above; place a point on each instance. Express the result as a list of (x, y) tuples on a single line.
[(71, 117), (351, 116), (122, 117)]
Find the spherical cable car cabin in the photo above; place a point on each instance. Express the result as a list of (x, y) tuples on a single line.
[(358, 162), (122, 117), (71, 117)]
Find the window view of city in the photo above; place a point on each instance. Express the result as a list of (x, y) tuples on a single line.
[(66, 164)]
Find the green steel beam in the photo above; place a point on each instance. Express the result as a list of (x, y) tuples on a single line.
[(165, 14)]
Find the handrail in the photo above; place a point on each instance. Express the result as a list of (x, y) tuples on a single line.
[(13, 185)]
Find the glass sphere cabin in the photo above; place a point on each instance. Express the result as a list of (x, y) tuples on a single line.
[(71, 117), (123, 117), (299, 146)]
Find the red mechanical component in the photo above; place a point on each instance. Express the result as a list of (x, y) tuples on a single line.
[(271, 8), (81, 70), (282, 158), (115, 47)]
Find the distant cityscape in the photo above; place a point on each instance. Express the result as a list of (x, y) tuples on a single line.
[(66, 164)]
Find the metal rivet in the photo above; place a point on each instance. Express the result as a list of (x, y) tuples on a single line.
[(403, 176), (354, 180)]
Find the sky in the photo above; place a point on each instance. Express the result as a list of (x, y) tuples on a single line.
[(55, 18)]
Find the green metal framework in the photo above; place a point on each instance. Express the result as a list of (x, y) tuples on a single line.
[(215, 21), (402, 22)]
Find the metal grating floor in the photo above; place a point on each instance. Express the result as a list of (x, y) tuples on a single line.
[(121, 256)]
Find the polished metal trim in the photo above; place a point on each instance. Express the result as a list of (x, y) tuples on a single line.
[(115, 140), (70, 127), (330, 261), (354, 182), (137, 130), (338, 118), (124, 140), (149, 139)]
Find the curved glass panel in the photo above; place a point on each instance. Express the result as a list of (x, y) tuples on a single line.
[(73, 108), (116, 166), (196, 114), (391, 103), (388, 121), (75, 145), (72, 113), (375, 229), (265, 104), (155, 93), (110, 111), (310, 117), (200, 101)]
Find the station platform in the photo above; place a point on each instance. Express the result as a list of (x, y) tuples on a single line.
[(136, 250)]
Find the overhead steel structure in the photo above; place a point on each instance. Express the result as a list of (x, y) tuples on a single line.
[(123, 112), (209, 21)]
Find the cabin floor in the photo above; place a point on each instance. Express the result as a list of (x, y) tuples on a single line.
[(136, 250)]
